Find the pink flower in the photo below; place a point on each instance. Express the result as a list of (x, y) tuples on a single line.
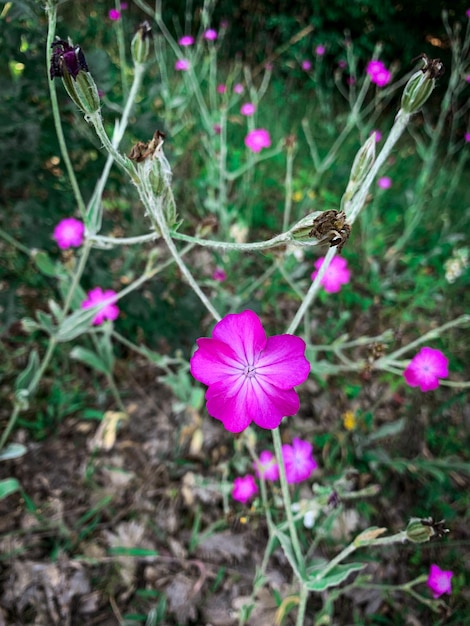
[(182, 65), (342, 64), (186, 40), (251, 378), (248, 108), (320, 50), (425, 369), (298, 460), (221, 88), (257, 139), (267, 466), (210, 34), (336, 275), (385, 182), (109, 311), (467, 78), (217, 128), (378, 135), (468, 13), (124, 5), (238, 88), (306, 65), (378, 73), (244, 488), (114, 15), (69, 232), (467, 137), (439, 581), (219, 274)]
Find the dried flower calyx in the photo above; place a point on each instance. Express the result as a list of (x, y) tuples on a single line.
[(142, 151), (331, 227), (433, 67)]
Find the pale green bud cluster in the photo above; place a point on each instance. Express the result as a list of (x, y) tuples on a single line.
[(140, 45)]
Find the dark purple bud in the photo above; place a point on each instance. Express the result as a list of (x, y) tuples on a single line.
[(66, 59)]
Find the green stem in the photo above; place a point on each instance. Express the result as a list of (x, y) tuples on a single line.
[(303, 597)]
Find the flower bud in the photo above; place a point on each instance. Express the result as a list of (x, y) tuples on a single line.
[(417, 91), (363, 161), (301, 231), (68, 62), (420, 530), (140, 44)]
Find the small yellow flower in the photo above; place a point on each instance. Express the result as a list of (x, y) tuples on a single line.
[(349, 420), (297, 196)]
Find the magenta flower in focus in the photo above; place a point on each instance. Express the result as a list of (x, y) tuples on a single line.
[(320, 50), (114, 15), (266, 466), (257, 139), (426, 368), (244, 488), (109, 311), (210, 34), (336, 275), (182, 65), (378, 73), (186, 40), (298, 460), (219, 274), (69, 232), (439, 581), (385, 182), (306, 65), (238, 88), (250, 377), (248, 108)]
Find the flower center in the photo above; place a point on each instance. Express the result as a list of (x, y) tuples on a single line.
[(249, 371)]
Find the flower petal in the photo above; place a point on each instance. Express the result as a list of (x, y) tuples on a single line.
[(283, 363), (244, 333), (214, 360)]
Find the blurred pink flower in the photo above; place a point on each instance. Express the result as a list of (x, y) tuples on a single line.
[(320, 50), (257, 139), (221, 88), (244, 488), (248, 108), (378, 73), (267, 466), (69, 232), (124, 5), (238, 88), (342, 64), (468, 13), (378, 135), (109, 311), (219, 274), (298, 460), (306, 65), (439, 581), (385, 182), (186, 40), (250, 377), (426, 368), (467, 137), (182, 65), (114, 15), (217, 129), (210, 34), (467, 78), (336, 275)]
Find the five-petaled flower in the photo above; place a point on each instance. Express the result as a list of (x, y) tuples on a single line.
[(439, 581), (298, 460), (250, 377), (266, 466), (109, 310), (378, 73), (257, 139), (69, 232), (244, 488), (426, 368), (335, 276)]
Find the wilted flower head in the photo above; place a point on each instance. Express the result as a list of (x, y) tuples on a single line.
[(250, 377), (298, 460), (306, 65), (69, 233), (109, 310), (385, 182), (244, 488), (336, 275), (186, 40), (248, 108), (439, 581), (210, 34), (257, 139), (426, 368), (182, 65), (378, 73), (114, 15), (66, 59), (266, 466)]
